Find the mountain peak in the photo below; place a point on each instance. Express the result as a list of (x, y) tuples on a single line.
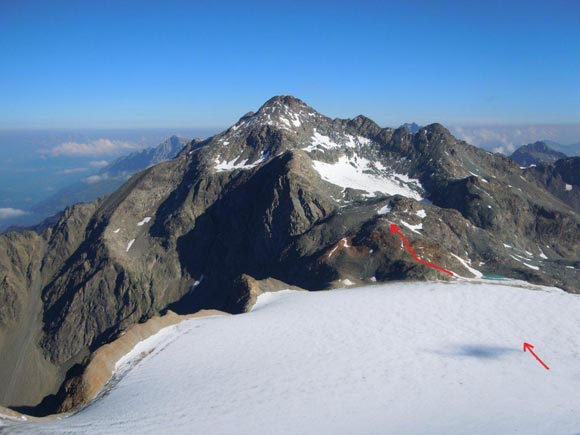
[(284, 100), (284, 106), (413, 127), (539, 146), (536, 153), (282, 111)]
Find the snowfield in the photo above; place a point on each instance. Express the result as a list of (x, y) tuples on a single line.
[(408, 358), (354, 173)]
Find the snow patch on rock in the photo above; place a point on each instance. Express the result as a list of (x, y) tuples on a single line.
[(144, 221), (130, 244), (385, 209), (414, 228), (356, 173), (467, 264)]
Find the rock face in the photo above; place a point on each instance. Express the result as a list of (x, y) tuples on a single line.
[(535, 154), (286, 196), (561, 179)]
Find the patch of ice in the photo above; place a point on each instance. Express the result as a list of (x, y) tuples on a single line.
[(117, 230), (130, 244), (231, 165), (323, 141), (422, 214), (385, 209), (542, 255), (413, 228), (144, 221), (363, 140), (568, 187), (347, 281), (525, 264), (467, 264), (295, 119), (319, 140), (196, 283), (343, 242), (354, 173)]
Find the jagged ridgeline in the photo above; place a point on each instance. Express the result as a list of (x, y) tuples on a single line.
[(284, 195)]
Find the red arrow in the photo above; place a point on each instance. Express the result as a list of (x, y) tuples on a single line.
[(528, 347), (396, 230)]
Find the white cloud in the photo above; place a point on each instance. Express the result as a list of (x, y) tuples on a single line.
[(506, 138), (98, 163), (6, 213), (98, 147), (92, 179), (72, 171), (96, 178), (504, 149)]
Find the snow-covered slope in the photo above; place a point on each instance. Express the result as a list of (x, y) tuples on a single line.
[(356, 173), (402, 358)]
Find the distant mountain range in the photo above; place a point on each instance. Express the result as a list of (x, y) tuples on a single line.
[(107, 180), (285, 197), (505, 138), (572, 149)]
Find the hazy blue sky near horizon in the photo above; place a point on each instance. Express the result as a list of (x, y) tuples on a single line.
[(134, 64)]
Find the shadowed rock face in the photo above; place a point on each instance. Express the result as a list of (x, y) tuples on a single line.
[(561, 179), (288, 195)]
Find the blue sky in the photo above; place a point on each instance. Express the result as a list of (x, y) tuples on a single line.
[(135, 64)]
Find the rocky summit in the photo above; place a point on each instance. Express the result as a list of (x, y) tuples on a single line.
[(284, 197)]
